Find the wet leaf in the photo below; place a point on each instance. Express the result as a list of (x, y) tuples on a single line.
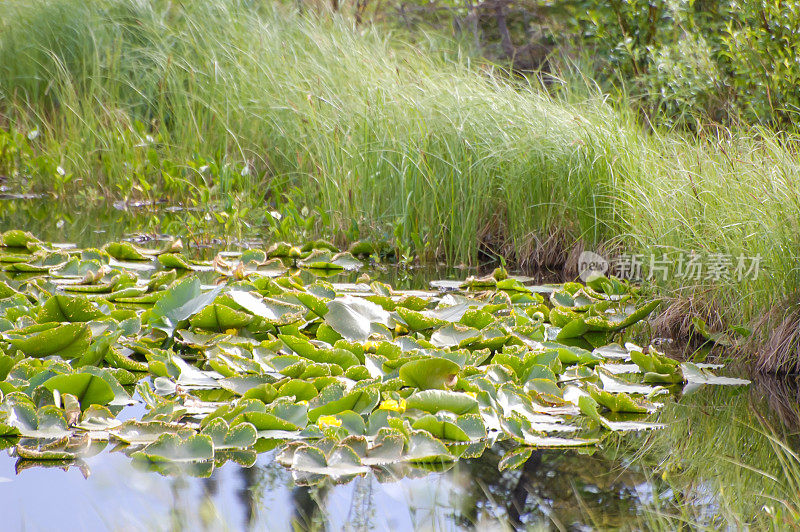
[(87, 388), (429, 373)]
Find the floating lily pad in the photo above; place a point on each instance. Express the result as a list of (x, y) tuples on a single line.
[(430, 373)]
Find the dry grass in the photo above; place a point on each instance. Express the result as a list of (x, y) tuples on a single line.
[(781, 350)]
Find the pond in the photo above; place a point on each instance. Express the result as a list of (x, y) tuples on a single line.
[(722, 455)]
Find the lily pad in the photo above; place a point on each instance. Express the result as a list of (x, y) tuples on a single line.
[(429, 373)]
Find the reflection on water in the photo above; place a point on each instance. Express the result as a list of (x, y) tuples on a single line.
[(713, 465), (615, 487)]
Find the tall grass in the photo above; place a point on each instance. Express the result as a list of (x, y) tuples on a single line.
[(240, 101)]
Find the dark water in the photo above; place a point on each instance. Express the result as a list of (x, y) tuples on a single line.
[(617, 486), (724, 460)]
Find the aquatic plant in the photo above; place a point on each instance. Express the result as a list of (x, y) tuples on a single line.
[(255, 349)]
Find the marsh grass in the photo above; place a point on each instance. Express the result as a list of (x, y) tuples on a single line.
[(248, 105)]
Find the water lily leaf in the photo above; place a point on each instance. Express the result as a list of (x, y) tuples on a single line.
[(424, 448), (589, 408), (538, 371), (441, 427), (697, 375), (342, 461), (273, 311), (417, 321), (477, 318), (294, 413), (283, 249), (47, 422), (352, 422), (67, 340), (573, 329), (512, 285), (126, 251), (15, 238), (429, 373), (218, 317), (314, 303), (357, 319), (89, 389), (176, 448), (657, 368), (320, 260), (576, 355), (265, 422), (116, 358), (454, 335), (306, 349), (387, 448), (612, 351), (299, 389), (241, 385), (663, 378), (182, 301), (361, 401), (452, 308), (638, 314), (139, 433), (174, 261), (98, 418), (614, 385), (542, 441), (239, 436), (346, 261), (434, 401), (38, 263), (618, 402), (61, 308)]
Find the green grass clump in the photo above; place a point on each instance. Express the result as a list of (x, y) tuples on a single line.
[(238, 102)]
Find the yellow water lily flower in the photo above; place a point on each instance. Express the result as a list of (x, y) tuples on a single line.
[(472, 394), (329, 421), (230, 331), (395, 406)]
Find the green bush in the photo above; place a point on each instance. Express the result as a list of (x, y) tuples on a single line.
[(680, 62), (762, 54)]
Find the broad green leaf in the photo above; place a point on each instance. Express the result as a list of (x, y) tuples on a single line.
[(62, 308), (67, 341), (218, 317), (429, 373), (357, 319), (89, 389), (182, 301), (174, 448), (436, 400)]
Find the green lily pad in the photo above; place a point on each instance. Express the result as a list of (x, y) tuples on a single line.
[(182, 301), (429, 373), (240, 436), (176, 448), (218, 317), (357, 319), (61, 308), (67, 340), (89, 389), (434, 401)]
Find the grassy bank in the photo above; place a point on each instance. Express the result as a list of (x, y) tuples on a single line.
[(253, 106)]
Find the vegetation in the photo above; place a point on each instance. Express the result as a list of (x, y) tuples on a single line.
[(350, 133), (679, 63), (343, 378)]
